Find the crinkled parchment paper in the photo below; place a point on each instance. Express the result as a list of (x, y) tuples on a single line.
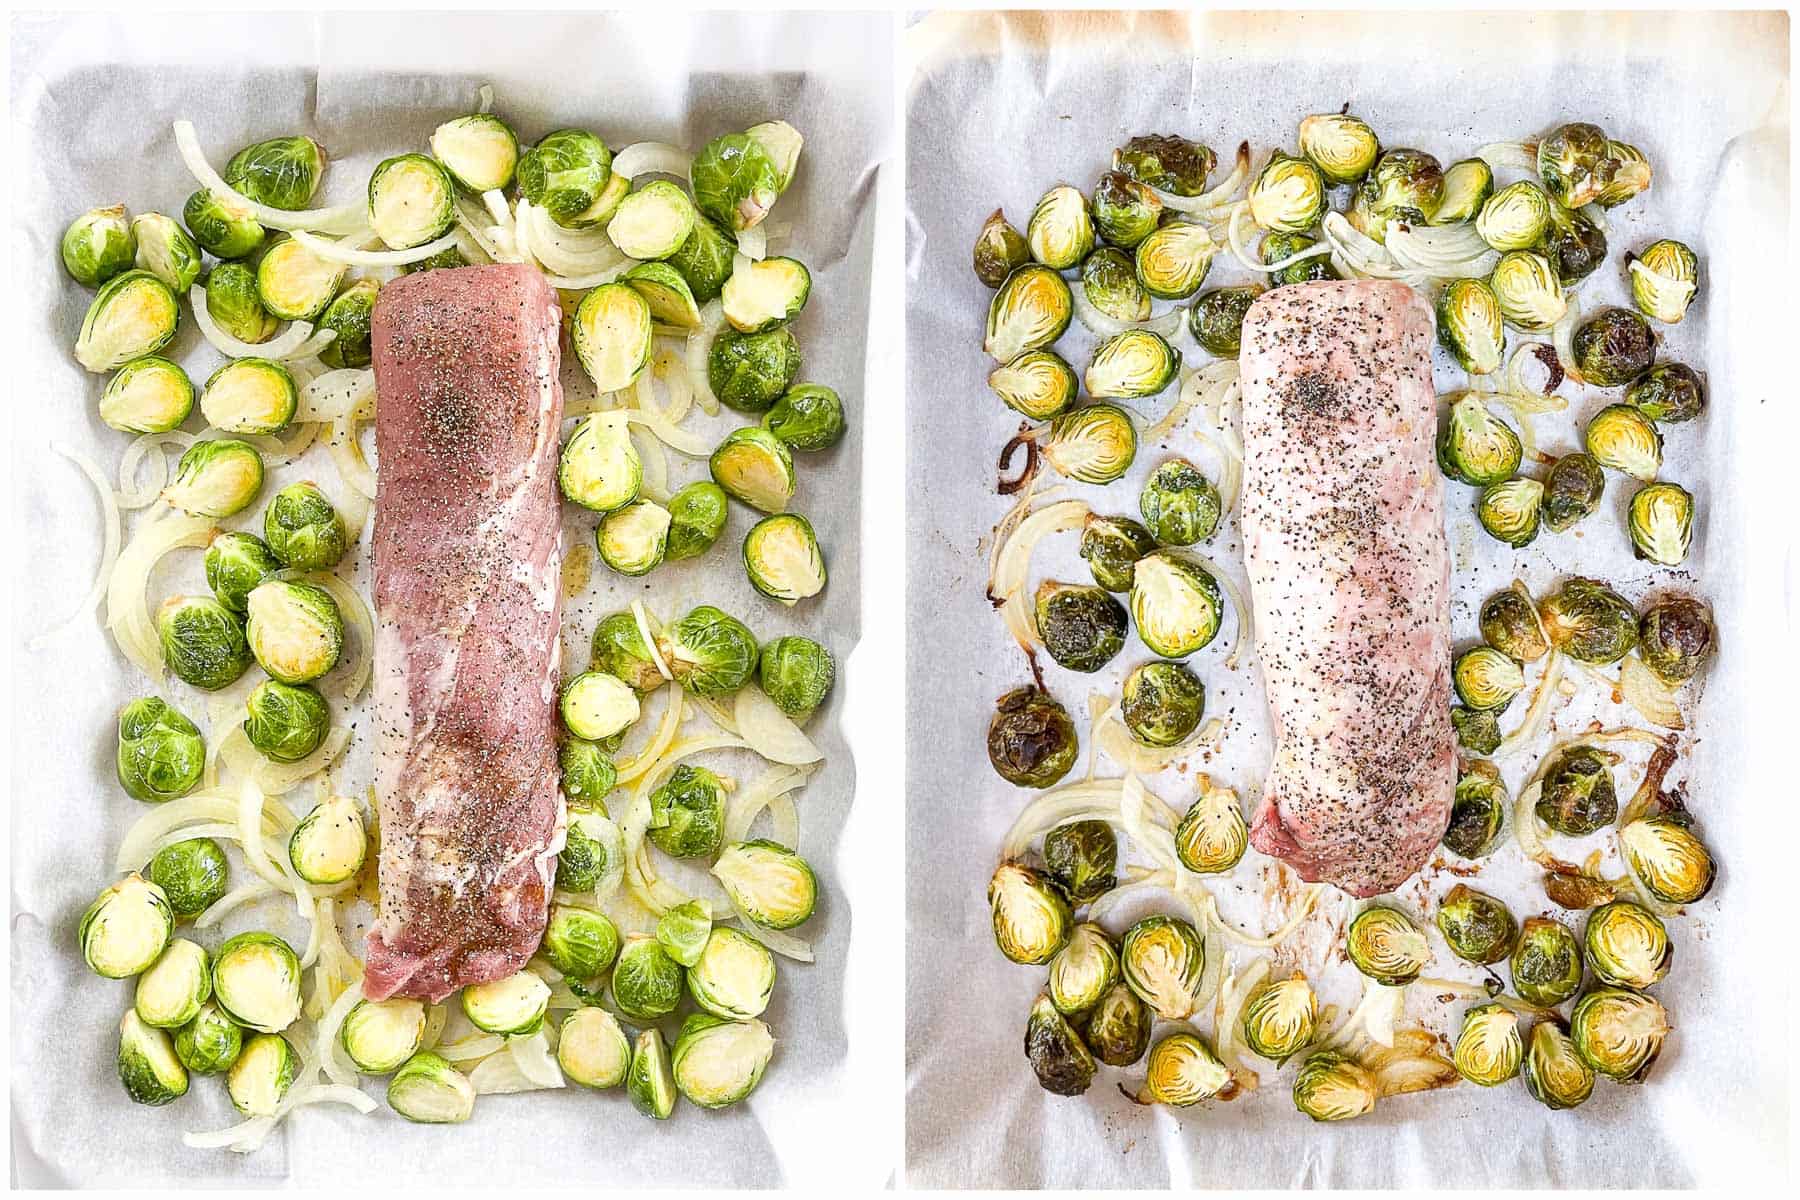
[(1001, 108)]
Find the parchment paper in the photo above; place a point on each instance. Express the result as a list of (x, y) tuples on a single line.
[(1001, 108), (93, 101)]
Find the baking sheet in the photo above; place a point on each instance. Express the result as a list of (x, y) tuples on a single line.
[(93, 99), (1002, 107)]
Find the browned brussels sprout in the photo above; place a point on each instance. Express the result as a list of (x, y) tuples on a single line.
[(1479, 811), (1664, 280), (1031, 740), (1511, 511), (1118, 1030), (1082, 858), (1162, 703), (1613, 347), (1619, 1033), (1675, 636), (1546, 963), (1572, 491), (1509, 623), (1477, 729), (1578, 796), (1575, 245), (1170, 163), (1589, 621), (1620, 436), (1125, 211), (1217, 318), (999, 250), (1486, 678), (1110, 283), (1574, 163), (1384, 944), (1112, 547), (1554, 1074), (1626, 945), (1478, 928), (1668, 393), (1063, 1065), (1279, 246), (1082, 626)]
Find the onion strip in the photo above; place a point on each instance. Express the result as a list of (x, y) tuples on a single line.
[(111, 532), (342, 218), (127, 605), (347, 253), (298, 340)]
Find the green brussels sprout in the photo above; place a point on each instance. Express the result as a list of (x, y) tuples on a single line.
[(1000, 250), (1031, 740), (1578, 796), (1217, 318), (192, 875), (1613, 347), (600, 468), (612, 333), (1631, 174), (210, 1043), (148, 395), (1182, 1070), (766, 294), (650, 1081), (696, 518), (687, 814), (1176, 603), (1546, 962), (1031, 916), (161, 754), (303, 530), (1037, 384), (1475, 446), (1668, 858), (1404, 186), (1162, 703), (286, 722), (808, 417), (294, 630), (1110, 283), (1063, 1065), (1477, 927), (1471, 327), (216, 477), (1083, 971), (1095, 443), (1112, 547), (1589, 622), (133, 314), (634, 540), (670, 298), (683, 931), (619, 650), (256, 980), (1179, 504), (1287, 195), (1384, 944), (427, 1090), (710, 652), (1573, 488), (755, 467), (593, 849), (1478, 812), (1510, 624), (1029, 312), (1618, 1032), (147, 1063), (1162, 959), (1173, 164), (1118, 1028), (735, 181), (479, 151), (1626, 945), (250, 395), (1279, 246), (1125, 211), (1529, 290), (782, 143), (1341, 146), (718, 1062), (1468, 184), (202, 641), (1334, 1087), (1662, 523), (99, 244), (1211, 836), (797, 674), (567, 175), (166, 251), (1516, 217), (1574, 163), (223, 225), (329, 844), (170, 993), (751, 372), (1082, 626), (1081, 858), (1620, 436), (595, 705), (1664, 280), (411, 201), (283, 172), (1667, 393), (294, 283), (235, 304), (592, 1049), (1486, 678), (580, 942), (512, 1007), (1489, 1050), (1173, 261), (1061, 232), (1675, 636), (588, 774), (1281, 1018), (768, 883), (123, 932), (733, 975), (705, 260), (351, 316), (646, 982), (381, 1036), (782, 558), (1554, 1074)]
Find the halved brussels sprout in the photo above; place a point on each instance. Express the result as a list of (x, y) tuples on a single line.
[(580, 942), (1664, 280), (1179, 504), (755, 467), (1125, 211), (670, 298), (479, 151), (1477, 927), (696, 519), (1030, 740), (1060, 233), (210, 1043), (1575, 245), (1031, 917), (1183, 1070), (1277, 247), (619, 649), (600, 468), (282, 172), (1516, 217), (1546, 962), (613, 330), (1334, 1087), (1037, 384), (1118, 1029), (1489, 1050), (796, 673), (170, 993), (148, 395), (202, 641), (710, 652), (1173, 164), (1211, 836), (134, 314), (1626, 945), (1668, 858), (1668, 392), (1623, 438), (295, 630), (718, 1062), (593, 848), (512, 1007), (705, 260), (1063, 1065), (1287, 195), (1631, 174), (1404, 185), (1572, 491), (1029, 312), (147, 1063), (634, 540), (1471, 326), (192, 875), (1217, 318), (1478, 812), (1475, 446), (1486, 678), (735, 181), (381, 1035), (1530, 293), (235, 305), (1619, 1033), (1578, 796), (1468, 184), (295, 284), (1341, 146), (1000, 250), (222, 224), (1662, 523), (771, 885), (1110, 283), (765, 295), (782, 558), (427, 1090), (286, 722), (166, 251), (1281, 1018), (782, 143), (596, 705), (734, 975), (751, 371), (1162, 959), (125, 929), (411, 201), (161, 754), (650, 1081), (1095, 443), (250, 395), (1162, 703), (1083, 971), (329, 844), (98, 245), (1613, 347), (592, 1049), (646, 982), (256, 980), (1176, 603), (1173, 261), (350, 315), (1675, 636), (1510, 624), (216, 477), (1082, 626), (808, 417), (684, 930), (1554, 1074), (1589, 621), (687, 813), (1081, 857), (1384, 944), (1574, 163), (567, 175)]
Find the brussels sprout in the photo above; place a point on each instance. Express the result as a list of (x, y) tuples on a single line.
[(1081, 857), (295, 284), (1574, 163), (147, 1063), (808, 417), (600, 468), (650, 1081), (768, 883), (1217, 318), (782, 143), (1530, 294), (148, 395), (202, 641), (612, 335), (593, 849), (1572, 491), (596, 705), (1626, 945), (999, 250), (687, 814), (1664, 280), (1404, 185), (1125, 211), (1613, 347), (797, 674), (1281, 1018), (1486, 678), (192, 875), (1662, 523), (1183, 1070), (1031, 740), (1668, 858), (133, 314), (580, 942), (1333, 1087), (166, 251), (235, 305), (1118, 1028), (619, 649), (1470, 326), (286, 722), (1162, 959), (329, 844), (1112, 547), (170, 993), (710, 652), (1063, 1065), (751, 372), (705, 260), (98, 245), (216, 477), (442, 260), (256, 980), (646, 982), (718, 1062), (1468, 185), (161, 754), (1667, 393), (567, 175), (1510, 624), (1385, 945), (592, 1049), (1287, 195), (1029, 312), (734, 975), (1179, 504), (1516, 217), (1279, 246), (634, 540), (1176, 603), (1619, 1033), (755, 467), (250, 395), (765, 295), (210, 1043), (1631, 174), (1211, 836), (1623, 438), (222, 224), (1478, 811), (1173, 261), (351, 316), (1083, 971), (1032, 921), (1060, 233), (479, 151), (1578, 797), (1173, 164), (1575, 245), (1554, 1074), (670, 298), (782, 558), (735, 181), (1589, 622), (1037, 384), (1477, 927), (1675, 636), (429, 1091), (411, 201), (1341, 146), (294, 630), (1082, 626), (696, 518), (1546, 962), (1162, 703), (1475, 446), (283, 172), (683, 931), (512, 1006), (125, 929), (380, 1036), (1110, 283), (1095, 443), (1489, 1050)]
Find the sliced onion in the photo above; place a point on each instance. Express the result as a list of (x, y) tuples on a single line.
[(280, 778), (652, 158), (278, 451), (1236, 596), (347, 456), (1510, 156), (342, 218), (236, 898), (753, 243), (699, 347), (1562, 336), (148, 448), (715, 711), (688, 445), (1309, 897), (1095, 799), (198, 808), (111, 532), (771, 732), (472, 1048), (1166, 324), (1228, 1013), (1539, 707), (641, 615), (347, 252), (1653, 699), (1215, 197), (746, 806), (1442, 251), (298, 340), (360, 664), (335, 394), (660, 741), (325, 1043), (1013, 566), (127, 605)]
